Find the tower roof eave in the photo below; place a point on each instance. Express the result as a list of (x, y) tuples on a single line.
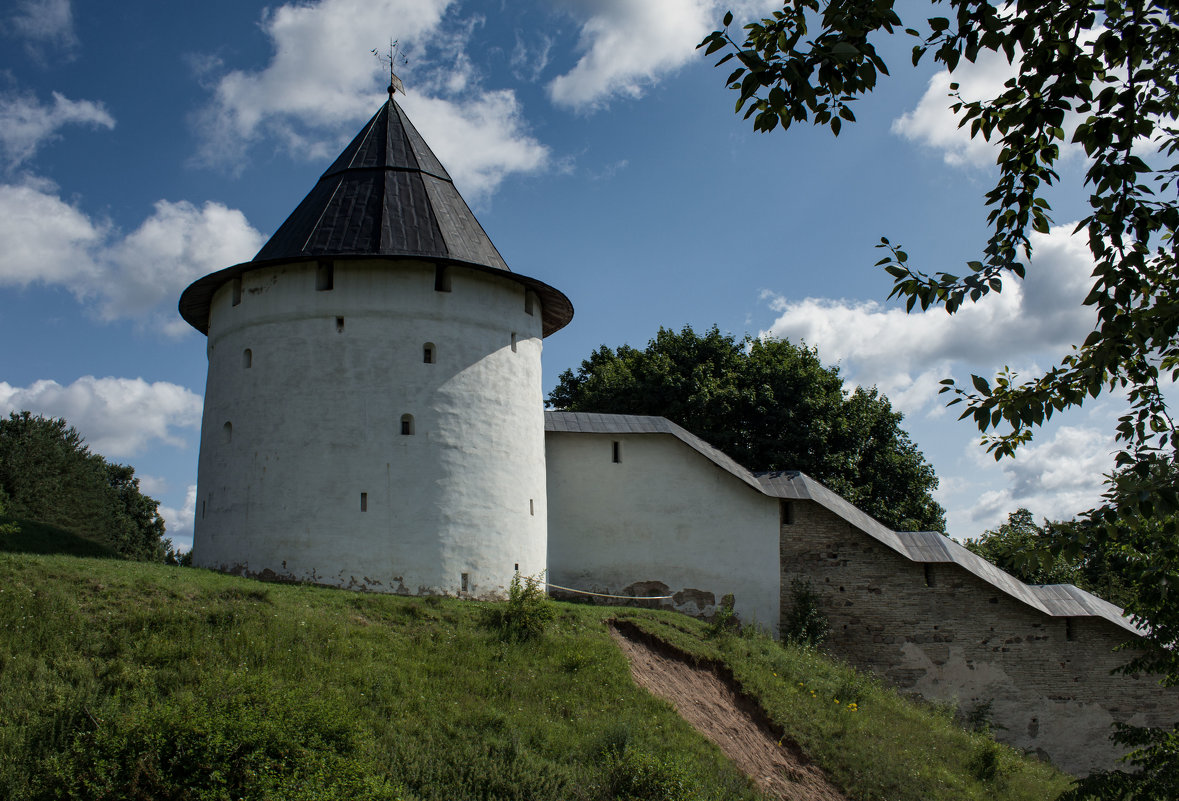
[(556, 308)]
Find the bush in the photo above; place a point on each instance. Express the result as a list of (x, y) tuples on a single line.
[(805, 623), (527, 612), (724, 621)]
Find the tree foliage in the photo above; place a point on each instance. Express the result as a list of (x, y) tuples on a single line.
[(770, 405), (48, 475), (1038, 554), (1114, 66)]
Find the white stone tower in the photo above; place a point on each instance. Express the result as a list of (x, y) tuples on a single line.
[(373, 411)]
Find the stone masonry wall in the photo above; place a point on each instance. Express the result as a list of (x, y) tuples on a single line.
[(1047, 678)]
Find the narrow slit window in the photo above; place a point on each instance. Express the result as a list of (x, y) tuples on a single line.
[(529, 302), (616, 451), (513, 342), (1070, 629), (325, 276), (339, 325), (247, 358), (516, 567), (466, 582), (406, 425), (228, 429), (364, 501), (237, 291), (930, 578), (202, 510), (428, 353), (441, 279), (786, 513), (532, 506)]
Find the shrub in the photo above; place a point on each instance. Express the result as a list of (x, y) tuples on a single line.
[(805, 623), (724, 620), (527, 612)]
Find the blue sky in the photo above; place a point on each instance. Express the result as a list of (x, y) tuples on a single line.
[(145, 144)]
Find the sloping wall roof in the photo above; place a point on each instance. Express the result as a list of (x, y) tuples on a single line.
[(927, 547)]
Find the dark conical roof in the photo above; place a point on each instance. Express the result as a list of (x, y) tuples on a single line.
[(386, 196)]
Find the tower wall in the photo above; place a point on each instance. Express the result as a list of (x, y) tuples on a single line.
[(304, 471)]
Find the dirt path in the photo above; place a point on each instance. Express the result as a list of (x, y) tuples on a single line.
[(705, 701)]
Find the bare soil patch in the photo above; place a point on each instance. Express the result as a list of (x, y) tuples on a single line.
[(736, 724)]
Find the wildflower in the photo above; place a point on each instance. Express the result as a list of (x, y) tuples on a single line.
[(837, 700)]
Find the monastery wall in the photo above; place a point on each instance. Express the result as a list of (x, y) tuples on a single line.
[(660, 520), (961, 640), (335, 449)]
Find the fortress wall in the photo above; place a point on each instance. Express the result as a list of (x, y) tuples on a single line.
[(662, 520), (1047, 679)]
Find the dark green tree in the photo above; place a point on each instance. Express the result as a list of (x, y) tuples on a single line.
[(770, 405), (49, 475), (1115, 65), (1037, 554)]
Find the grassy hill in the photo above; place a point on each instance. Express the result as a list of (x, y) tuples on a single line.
[(132, 680)]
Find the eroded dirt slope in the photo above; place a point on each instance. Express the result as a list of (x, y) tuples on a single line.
[(778, 768)]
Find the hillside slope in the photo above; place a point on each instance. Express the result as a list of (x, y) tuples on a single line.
[(132, 680)]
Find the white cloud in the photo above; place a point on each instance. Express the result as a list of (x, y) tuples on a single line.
[(119, 417), (934, 125), (45, 22), (1057, 478), (322, 81), (627, 45), (178, 523), (905, 355), (26, 123), (137, 276)]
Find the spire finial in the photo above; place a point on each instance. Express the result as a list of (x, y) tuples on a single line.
[(392, 58)]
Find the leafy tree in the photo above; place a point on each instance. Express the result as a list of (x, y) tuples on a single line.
[(1037, 555), (49, 475), (770, 405), (1115, 64)]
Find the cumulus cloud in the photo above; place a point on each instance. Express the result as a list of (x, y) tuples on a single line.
[(138, 275), (178, 523), (26, 123), (934, 125), (119, 417), (907, 354), (45, 22), (322, 80), (627, 45), (1057, 478)]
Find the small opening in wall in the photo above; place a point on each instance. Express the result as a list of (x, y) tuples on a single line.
[(364, 501), (786, 513), (339, 325), (529, 301), (1070, 629), (466, 582), (616, 452), (428, 353), (406, 425), (325, 276), (228, 429), (516, 567), (441, 279), (202, 510), (930, 579), (513, 342), (247, 358), (237, 291), (532, 506)]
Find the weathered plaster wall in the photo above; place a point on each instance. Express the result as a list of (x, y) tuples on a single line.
[(315, 421), (662, 520), (962, 640)]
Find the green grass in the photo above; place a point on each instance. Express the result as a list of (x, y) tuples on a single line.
[(131, 680)]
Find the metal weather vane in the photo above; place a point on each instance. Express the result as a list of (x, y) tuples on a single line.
[(392, 58)]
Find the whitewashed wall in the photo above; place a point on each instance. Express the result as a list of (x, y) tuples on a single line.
[(663, 515), (316, 421)]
